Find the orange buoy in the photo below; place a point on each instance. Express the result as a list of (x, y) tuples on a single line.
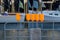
[(37, 17), (41, 17), (28, 17), (33, 17), (18, 16)]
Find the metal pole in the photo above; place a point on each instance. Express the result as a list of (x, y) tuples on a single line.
[(25, 6), (40, 5), (32, 8), (12, 5)]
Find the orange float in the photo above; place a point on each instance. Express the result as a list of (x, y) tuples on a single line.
[(41, 17), (28, 17), (18, 16), (37, 17), (33, 17)]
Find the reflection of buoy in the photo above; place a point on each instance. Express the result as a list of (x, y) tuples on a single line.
[(28, 17), (18, 16), (33, 17), (37, 17), (41, 17)]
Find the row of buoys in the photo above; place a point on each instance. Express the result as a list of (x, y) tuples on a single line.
[(32, 17)]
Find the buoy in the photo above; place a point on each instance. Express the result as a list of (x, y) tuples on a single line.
[(37, 17), (18, 16), (41, 17), (33, 17), (28, 17)]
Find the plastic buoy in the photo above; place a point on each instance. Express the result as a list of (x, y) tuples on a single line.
[(28, 17), (18, 16), (41, 17), (33, 17), (37, 17)]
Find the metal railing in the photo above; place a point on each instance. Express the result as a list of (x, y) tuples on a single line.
[(31, 31)]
